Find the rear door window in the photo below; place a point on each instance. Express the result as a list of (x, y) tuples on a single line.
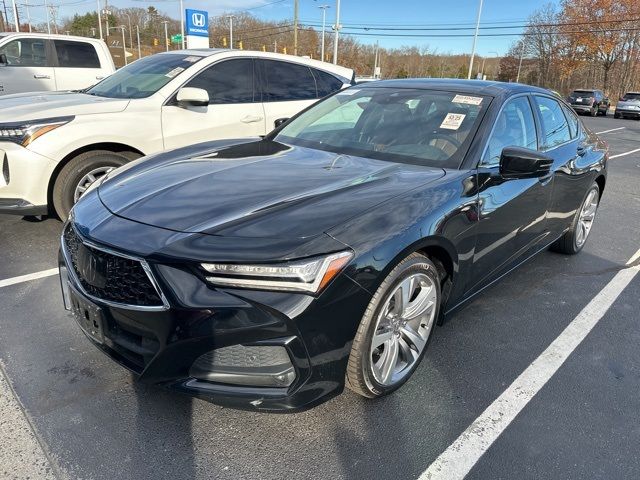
[(285, 81), (573, 121), (555, 128), (326, 83), (76, 54), (229, 81), (26, 52)]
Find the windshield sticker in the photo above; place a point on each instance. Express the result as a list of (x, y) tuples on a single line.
[(192, 59), (467, 100), (452, 121), (176, 71), (348, 92)]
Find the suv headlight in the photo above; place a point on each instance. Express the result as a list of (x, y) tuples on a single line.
[(23, 133), (310, 275)]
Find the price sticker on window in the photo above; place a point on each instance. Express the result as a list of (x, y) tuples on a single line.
[(452, 121)]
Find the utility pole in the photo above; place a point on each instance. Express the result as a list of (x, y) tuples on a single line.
[(106, 16), (166, 36), (324, 21), (138, 40), (335, 37), (46, 8), (26, 4), (295, 27), (230, 17), (16, 21), (375, 62), (520, 63), (475, 39), (182, 22), (100, 20), (124, 45)]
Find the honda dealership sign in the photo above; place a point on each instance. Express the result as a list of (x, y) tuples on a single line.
[(197, 28)]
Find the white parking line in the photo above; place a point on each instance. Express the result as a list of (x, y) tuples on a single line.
[(612, 130), (460, 457), (28, 277), (624, 154)]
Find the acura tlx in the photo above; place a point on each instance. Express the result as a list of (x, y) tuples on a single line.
[(269, 273)]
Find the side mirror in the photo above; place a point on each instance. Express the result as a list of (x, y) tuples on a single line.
[(3, 59), (517, 162), (196, 97), (279, 122)]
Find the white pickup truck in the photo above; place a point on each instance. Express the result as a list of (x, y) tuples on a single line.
[(37, 62)]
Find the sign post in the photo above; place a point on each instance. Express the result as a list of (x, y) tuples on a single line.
[(197, 28)]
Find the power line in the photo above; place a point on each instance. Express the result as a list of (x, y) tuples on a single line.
[(466, 35)]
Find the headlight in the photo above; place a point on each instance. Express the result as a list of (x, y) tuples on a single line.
[(309, 275), (23, 133)]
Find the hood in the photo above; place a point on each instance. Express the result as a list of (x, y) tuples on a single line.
[(257, 189), (31, 106)]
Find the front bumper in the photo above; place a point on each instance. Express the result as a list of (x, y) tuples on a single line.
[(161, 346), (24, 180)]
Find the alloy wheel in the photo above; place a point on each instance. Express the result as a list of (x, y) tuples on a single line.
[(586, 217), (88, 179), (402, 328)]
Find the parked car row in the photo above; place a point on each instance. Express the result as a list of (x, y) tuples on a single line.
[(54, 145), (595, 102)]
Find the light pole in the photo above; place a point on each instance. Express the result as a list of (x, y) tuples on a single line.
[(295, 27), (475, 39), (335, 37), (100, 21), (520, 63), (46, 8), (15, 16), (166, 36), (138, 40), (130, 30), (26, 4), (324, 21), (182, 22), (230, 17)]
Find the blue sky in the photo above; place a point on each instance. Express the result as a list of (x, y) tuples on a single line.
[(361, 13)]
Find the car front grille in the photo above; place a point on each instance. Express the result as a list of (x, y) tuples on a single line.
[(109, 277)]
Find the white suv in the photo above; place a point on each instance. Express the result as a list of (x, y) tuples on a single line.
[(37, 62), (53, 146)]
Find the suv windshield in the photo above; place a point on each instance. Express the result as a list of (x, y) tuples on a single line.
[(144, 77), (425, 127), (631, 97)]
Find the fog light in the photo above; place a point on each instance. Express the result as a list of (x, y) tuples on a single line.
[(257, 366)]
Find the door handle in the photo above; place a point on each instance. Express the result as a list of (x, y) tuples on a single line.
[(251, 119), (42, 77)]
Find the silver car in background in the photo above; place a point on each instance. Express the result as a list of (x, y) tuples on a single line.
[(628, 106)]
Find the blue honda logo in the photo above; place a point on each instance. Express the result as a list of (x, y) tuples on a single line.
[(198, 20)]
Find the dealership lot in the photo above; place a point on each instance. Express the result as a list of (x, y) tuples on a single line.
[(94, 421)]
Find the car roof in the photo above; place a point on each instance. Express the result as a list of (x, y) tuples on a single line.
[(49, 36), (478, 87), (208, 52)]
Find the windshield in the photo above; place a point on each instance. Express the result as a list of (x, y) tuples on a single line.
[(426, 127), (631, 97), (144, 77)]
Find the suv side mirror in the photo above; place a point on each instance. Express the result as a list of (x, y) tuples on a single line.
[(518, 162), (196, 97), (3, 59), (279, 122)]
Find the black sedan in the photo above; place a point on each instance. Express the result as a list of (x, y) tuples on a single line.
[(269, 273)]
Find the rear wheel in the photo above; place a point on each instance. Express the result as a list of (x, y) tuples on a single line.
[(574, 239), (594, 111), (616, 115), (395, 329), (78, 175)]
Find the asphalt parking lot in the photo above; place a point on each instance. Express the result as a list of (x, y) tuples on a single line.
[(92, 420)]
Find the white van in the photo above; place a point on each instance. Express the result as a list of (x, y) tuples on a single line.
[(36, 62)]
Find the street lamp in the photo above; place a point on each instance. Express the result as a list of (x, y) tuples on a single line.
[(138, 39), (335, 37), (520, 63), (231, 17), (475, 39), (130, 30), (100, 21), (324, 21)]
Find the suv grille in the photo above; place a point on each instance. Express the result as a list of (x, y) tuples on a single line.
[(110, 277)]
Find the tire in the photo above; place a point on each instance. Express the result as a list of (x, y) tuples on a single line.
[(363, 376), (64, 189), (594, 112), (616, 115), (571, 243)]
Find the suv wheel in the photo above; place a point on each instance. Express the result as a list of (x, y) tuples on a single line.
[(78, 175), (594, 111), (393, 334)]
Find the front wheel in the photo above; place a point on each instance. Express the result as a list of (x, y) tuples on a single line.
[(574, 239), (78, 175), (393, 333)]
